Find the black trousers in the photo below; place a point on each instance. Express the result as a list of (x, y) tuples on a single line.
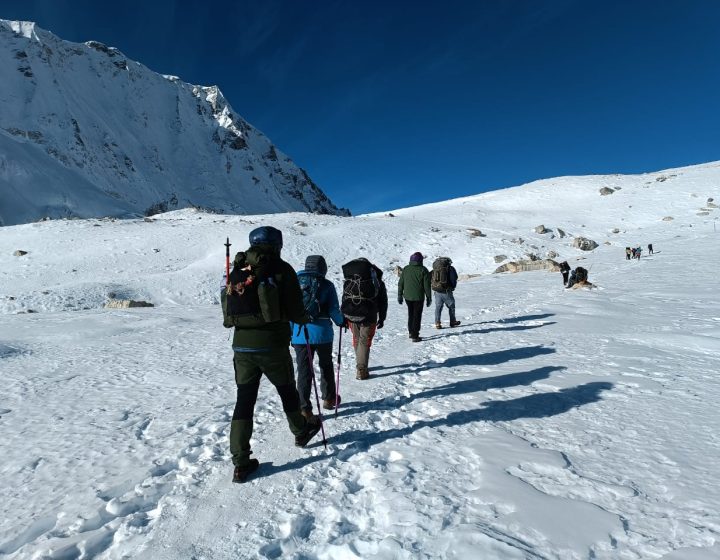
[(415, 309), (304, 374), (565, 277)]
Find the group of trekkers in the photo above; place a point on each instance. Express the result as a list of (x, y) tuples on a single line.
[(271, 307), (636, 252)]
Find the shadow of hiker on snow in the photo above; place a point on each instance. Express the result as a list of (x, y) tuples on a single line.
[(488, 330), (487, 359), (456, 388), (539, 405)]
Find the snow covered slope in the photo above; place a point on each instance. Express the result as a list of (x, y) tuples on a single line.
[(86, 132), (554, 424)]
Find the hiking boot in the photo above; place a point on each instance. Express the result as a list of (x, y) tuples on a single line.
[(308, 414), (240, 474), (454, 323), (439, 325), (329, 404), (417, 339), (311, 428), (362, 374)]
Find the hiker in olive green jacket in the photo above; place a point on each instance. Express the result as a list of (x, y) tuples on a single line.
[(414, 286), (262, 296)]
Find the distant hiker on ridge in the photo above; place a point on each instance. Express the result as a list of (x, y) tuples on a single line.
[(262, 292), (628, 252), (443, 282), (414, 286), (565, 270), (321, 304), (650, 249), (364, 304)]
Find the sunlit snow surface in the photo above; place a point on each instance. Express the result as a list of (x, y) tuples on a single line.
[(551, 424)]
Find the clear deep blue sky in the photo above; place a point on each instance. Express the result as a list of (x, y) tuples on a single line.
[(391, 104)]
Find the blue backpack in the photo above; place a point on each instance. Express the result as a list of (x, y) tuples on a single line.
[(310, 286)]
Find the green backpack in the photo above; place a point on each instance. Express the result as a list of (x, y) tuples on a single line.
[(251, 297)]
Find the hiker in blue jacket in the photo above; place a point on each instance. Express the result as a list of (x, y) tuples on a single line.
[(321, 303)]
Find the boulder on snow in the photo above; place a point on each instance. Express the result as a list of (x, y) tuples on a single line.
[(606, 191), (616, 230), (475, 232), (552, 255), (541, 229), (561, 233), (525, 266), (500, 258), (126, 303), (532, 256), (711, 205), (19, 253), (584, 244), (711, 199), (668, 219)]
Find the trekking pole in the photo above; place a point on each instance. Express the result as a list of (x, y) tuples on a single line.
[(337, 383), (227, 262), (312, 373)]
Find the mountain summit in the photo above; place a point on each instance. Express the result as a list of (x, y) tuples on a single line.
[(87, 132)]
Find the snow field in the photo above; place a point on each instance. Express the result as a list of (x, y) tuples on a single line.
[(550, 424)]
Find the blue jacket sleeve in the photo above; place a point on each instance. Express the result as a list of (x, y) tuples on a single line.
[(333, 305)]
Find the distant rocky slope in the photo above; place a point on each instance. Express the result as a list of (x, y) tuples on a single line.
[(86, 132)]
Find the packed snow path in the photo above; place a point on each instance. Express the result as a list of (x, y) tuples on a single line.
[(551, 424)]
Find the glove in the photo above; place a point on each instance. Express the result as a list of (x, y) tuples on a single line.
[(380, 324), (400, 300), (427, 303)]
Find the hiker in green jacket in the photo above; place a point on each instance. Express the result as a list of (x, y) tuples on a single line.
[(414, 286), (263, 294)]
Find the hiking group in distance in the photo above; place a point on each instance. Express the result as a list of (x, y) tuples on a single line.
[(271, 307)]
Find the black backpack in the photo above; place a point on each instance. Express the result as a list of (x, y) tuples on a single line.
[(360, 288), (440, 279), (581, 274), (310, 287), (251, 297)]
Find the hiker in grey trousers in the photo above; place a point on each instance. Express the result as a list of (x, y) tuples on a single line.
[(444, 281)]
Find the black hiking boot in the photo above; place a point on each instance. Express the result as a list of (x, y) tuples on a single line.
[(311, 429), (417, 339), (454, 323), (241, 473)]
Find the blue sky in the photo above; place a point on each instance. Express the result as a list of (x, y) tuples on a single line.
[(393, 104)]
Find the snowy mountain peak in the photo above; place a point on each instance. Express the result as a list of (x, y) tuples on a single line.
[(86, 132), (26, 29)]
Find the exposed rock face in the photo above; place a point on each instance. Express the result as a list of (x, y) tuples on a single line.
[(541, 229), (500, 258), (606, 191), (584, 244), (524, 266), (126, 303)]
